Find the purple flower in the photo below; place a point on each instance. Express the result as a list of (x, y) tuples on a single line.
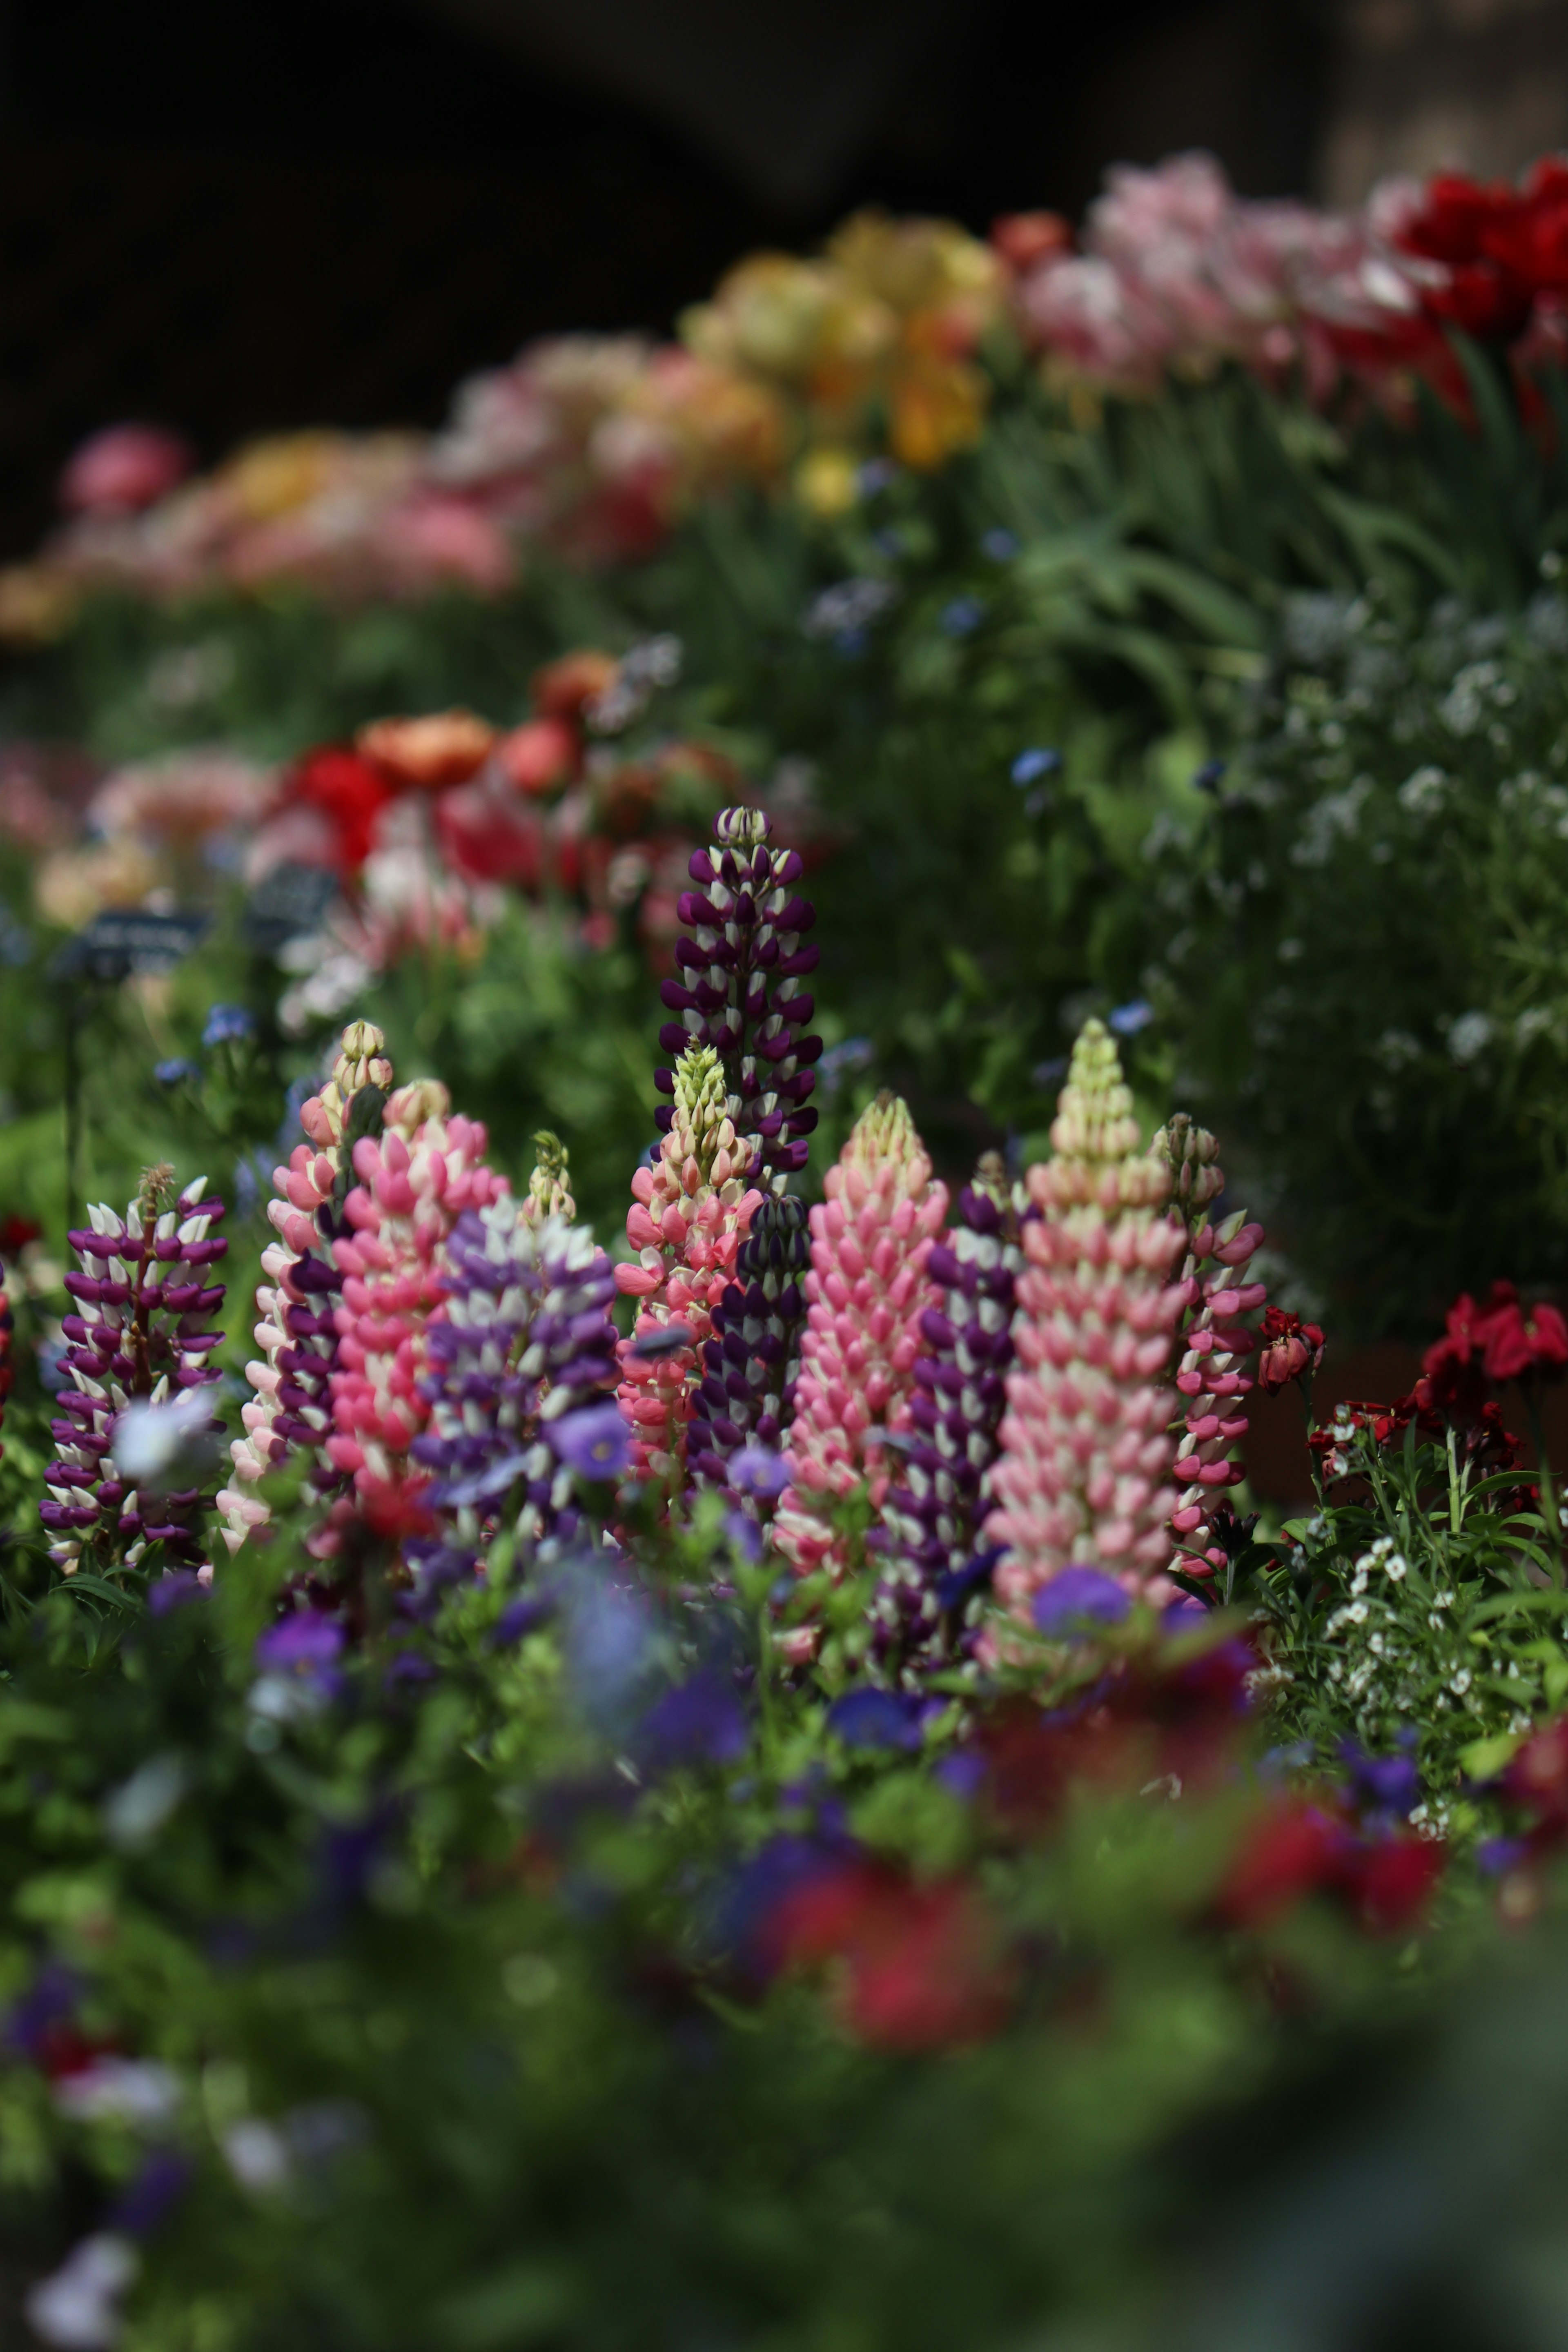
[(759, 1470), (700, 1722), (1031, 765), (593, 1441), (522, 1617), (1130, 1019), (174, 1072), (877, 1718), (173, 1589), (743, 964), (1080, 1596), (1383, 1784), (963, 1773), (227, 1023), (1499, 1855), (152, 2194), (962, 617), (302, 1644)]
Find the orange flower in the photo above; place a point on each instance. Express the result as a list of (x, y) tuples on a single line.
[(427, 754)]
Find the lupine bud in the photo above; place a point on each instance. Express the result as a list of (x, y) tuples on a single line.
[(744, 965), (1084, 1470), (936, 1567), (550, 1186), (690, 1213), (750, 1364), (143, 1297), (296, 1330), (865, 1293), (1211, 1344)]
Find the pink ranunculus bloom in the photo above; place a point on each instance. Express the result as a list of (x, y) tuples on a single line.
[(123, 469)]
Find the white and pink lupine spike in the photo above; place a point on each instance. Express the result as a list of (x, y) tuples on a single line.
[(865, 1293), (1084, 1474), (1212, 1343), (416, 1179), (295, 1329), (692, 1211)]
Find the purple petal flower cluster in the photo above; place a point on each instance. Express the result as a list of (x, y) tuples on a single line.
[(741, 993), (524, 1346), (143, 1303), (748, 1366), (933, 1518), (571, 1355)]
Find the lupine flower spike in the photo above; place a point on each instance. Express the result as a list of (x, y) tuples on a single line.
[(1212, 1343), (743, 963), (750, 1365), (143, 1299), (525, 1341), (691, 1212), (936, 1566), (416, 1179), (867, 1291), (1084, 1474), (295, 1329)]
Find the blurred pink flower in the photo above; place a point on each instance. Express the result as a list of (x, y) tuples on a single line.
[(124, 468)]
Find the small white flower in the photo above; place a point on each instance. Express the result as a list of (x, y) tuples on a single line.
[(126, 2090), (1460, 1682), (1469, 1036), (77, 2308)]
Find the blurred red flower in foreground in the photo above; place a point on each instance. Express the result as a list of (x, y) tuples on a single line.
[(922, 1965), (349, 793), (1299, 1849)]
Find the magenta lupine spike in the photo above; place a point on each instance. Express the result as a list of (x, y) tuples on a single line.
[(416, 1179), (1211, 1344), (295, 1329), (141, 1302), (1084, 1473), (867, 1290), (691, 1212), (929, 1596), (744, 963)]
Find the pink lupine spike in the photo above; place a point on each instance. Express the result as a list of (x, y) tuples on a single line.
[(1211, 1346), (295, 1331), (687, 1222), (865, 1293), (417, 1179), (1084, 1473)]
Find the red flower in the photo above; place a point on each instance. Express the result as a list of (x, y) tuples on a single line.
[(1520, 1347), (349, 792), (1538, 1775), (1289, 1348), (1475, 232), (922, 1966), (1531, 239), (542, 755), (1292, 1851), (15, 1233), (1026, 239), (1297, 1849), (1391, 1883)]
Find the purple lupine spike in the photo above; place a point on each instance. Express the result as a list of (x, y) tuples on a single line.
[(743, 963), (935, 1565), (524, 1341), (143, 1295), (749, 1365), (571, 1355)]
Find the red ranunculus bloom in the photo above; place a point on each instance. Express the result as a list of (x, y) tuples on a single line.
[(349, 792), (1293, 1850), (1473, 231), (1390, 1882), (1288, 1348)]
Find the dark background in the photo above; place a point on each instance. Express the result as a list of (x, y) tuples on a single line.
[(240, 217)]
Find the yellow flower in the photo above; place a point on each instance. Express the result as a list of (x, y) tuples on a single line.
[(826, 482)]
